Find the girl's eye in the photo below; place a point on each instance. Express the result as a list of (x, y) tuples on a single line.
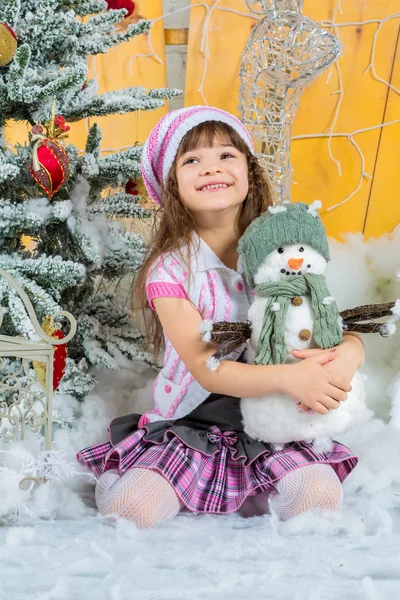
[(227, 154), (189, 161), (301, 249), (280, 250)]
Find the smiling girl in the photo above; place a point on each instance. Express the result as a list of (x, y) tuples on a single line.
[(190, 451)]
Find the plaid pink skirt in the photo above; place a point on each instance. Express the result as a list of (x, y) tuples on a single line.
[(218, 478)]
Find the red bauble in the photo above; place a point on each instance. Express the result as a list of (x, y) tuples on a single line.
[(53, 163), (117, 4), (37, 129), (131, 188), (59, 121), (59, 361)]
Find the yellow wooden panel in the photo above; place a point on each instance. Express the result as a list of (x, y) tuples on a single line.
[(227, 37), (363, 105), (315, 173), (113, 72), (384, 207)]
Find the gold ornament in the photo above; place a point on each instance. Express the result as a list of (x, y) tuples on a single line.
[(8, 44)]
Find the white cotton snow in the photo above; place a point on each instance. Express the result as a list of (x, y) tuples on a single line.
[(206, 330), (314, 207), (396, 308), (276, 208), (17, 536), (212, 363)]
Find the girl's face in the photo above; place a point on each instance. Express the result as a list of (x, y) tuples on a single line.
[(213, 179)]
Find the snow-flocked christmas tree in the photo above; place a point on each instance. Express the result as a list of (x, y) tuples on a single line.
[(76, 238)]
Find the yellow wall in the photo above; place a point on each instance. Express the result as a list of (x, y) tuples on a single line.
[(375, 208)]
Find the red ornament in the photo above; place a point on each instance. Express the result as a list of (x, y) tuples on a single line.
[(60, 357), (118, 4), (60, 123), (59, 120), (131, 188), (50, 166), (37, 129)]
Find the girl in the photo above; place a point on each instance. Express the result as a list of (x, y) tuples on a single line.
[(190, 451)]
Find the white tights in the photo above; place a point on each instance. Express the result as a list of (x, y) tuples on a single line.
[(145, 497), (141, 495), (313, 487)]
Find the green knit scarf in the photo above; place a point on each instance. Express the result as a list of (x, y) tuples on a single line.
[(327, 331)]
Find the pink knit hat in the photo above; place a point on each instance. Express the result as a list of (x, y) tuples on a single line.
[(161, 146)]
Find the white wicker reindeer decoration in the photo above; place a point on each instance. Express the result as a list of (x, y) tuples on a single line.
[(286, 51)]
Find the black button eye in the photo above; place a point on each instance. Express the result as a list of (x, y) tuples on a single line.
[(301, 249), (280, 250)]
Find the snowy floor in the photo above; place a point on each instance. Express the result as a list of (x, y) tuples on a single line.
[(354, 556)]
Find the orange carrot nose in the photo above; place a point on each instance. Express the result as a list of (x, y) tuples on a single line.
[(295, 263)]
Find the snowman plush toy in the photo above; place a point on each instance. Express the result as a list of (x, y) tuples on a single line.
[(284, 254)]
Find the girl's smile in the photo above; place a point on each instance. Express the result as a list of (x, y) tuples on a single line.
[(214, 186)]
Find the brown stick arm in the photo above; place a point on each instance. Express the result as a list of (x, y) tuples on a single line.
[(370, 327), (367, 311), (228, 336)]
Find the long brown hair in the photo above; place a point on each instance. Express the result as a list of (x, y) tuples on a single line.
[(174, 225)]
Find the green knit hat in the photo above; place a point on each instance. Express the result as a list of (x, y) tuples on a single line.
[(281, 225)]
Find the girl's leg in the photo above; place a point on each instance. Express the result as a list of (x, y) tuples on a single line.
[(314, 486), (141, 495)]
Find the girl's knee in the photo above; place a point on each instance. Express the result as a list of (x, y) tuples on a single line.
[(140, 495), (313, 487)]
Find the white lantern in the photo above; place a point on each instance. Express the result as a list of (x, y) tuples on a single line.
[(23, 401)]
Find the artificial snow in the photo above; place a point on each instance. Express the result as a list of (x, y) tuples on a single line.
[(212, 363), (314, 207), (56, 546), (206, 330), (276, 208)]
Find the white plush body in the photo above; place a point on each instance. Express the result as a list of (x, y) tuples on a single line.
[(275, 418)]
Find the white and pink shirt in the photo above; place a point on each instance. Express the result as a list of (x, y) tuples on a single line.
[(219, 293)]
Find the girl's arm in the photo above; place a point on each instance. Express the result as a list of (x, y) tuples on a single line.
[(306, 381), (350, 357)]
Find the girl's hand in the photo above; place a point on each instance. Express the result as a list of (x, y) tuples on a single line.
[(349, 357), (313, 387)]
